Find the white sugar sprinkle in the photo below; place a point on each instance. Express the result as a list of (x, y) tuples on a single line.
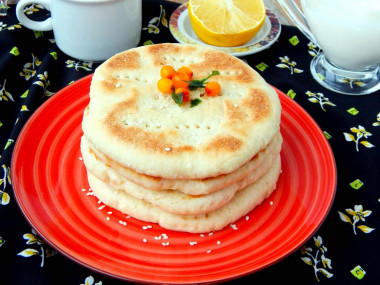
[(102, 207), (80, 158), (168, 149), (208, 251), (145, 240), (84, 190), (202, 235), (122, 223), (193, 243), (109, 212), (271, 203), (234, 227), (108, 218), (165, 243), (210, 234), (246, 218), (218, 242), (118, 85)]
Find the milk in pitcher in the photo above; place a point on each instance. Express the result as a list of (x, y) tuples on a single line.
[(348, 31)]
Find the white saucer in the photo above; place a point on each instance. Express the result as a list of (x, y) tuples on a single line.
[(181, 29)]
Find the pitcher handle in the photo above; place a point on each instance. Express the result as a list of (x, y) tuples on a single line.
[(296, 15)]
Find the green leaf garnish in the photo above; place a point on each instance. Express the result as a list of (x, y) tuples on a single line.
[(193, 84), (195, 102), (178, 98), (200, 83)]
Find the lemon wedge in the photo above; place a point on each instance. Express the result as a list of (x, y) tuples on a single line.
[(226, 22)]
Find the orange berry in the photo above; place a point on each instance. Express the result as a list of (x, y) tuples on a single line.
[(186, 70), (212, 88), (185, 93), (165, 85), (179, 80), (167, 71)]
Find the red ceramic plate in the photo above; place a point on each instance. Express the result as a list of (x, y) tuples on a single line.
[(51, 188)]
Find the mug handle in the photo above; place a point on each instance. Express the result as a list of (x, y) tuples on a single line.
[(45, 25), (296, 15)]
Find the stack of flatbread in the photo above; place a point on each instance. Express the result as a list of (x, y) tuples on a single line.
[(193, 169)]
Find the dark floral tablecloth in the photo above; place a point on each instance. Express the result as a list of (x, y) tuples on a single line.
[(344, 250)]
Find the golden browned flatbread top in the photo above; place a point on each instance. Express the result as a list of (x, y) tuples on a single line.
[(133, 123)]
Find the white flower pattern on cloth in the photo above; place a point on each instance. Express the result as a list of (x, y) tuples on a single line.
[(313, 260), (153, 25), (90, 281), (358, 214), (291, 65), (360, 133)]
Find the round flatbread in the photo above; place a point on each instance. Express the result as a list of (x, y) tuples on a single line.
[(243, 202), (189, 186), (173, 201), (132, 122)]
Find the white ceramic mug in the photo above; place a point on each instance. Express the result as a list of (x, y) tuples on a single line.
[(90, 30), (348, 32)]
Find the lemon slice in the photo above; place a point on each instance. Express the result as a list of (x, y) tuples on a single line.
[(226, 22)]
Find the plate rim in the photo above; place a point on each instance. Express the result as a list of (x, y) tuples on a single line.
[(49, 241), (239, 51)]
